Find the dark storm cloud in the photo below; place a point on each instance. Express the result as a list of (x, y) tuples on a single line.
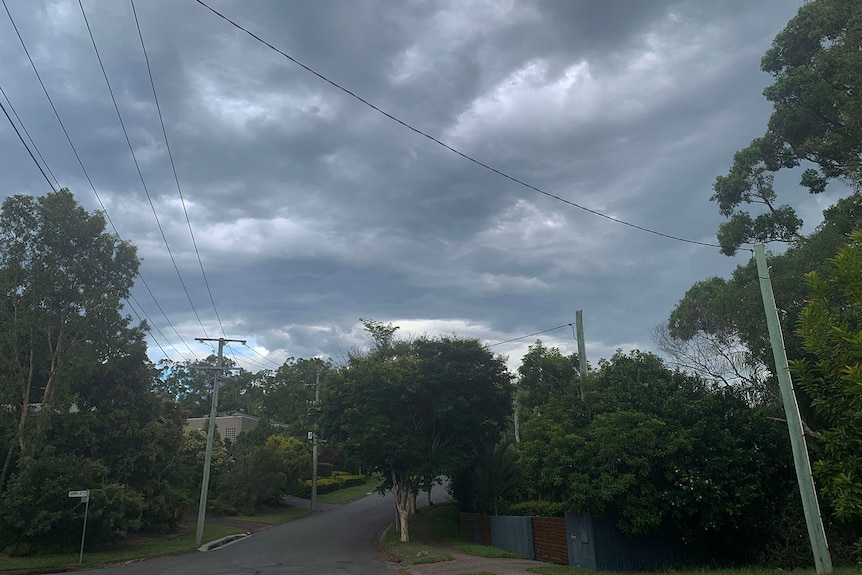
[(311, 210)]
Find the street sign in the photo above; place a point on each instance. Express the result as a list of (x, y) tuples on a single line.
[(84, 494)]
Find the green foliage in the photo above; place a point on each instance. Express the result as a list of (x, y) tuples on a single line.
[(260, 473), (62, 280), (332, 484), (412, 411), (545, 372), (492, 483), (37, 515), (662, 450), (65, 344), (831, 325), (728, 313), (816, 65), (536, 508), (324, 469)]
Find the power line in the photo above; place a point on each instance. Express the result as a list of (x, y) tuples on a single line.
[(248, 359), (271, 361), (443, 144), (29, 137), (85, 172), (140, 320), (173, 166), (529, 335), (26, 147), (137, 165)]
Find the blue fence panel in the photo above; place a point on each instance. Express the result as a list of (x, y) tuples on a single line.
[(513, 534), (582, 544)]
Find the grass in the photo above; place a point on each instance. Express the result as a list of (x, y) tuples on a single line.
[(443, 521), (288, 514), (415, 552), (563, 570), (121, 552), (349, 494), (444, 526), (134, 549)]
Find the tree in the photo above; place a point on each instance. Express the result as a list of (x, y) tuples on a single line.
[(831, 327), (62, 279), (816, 63), (727, 314), (260, 472), (545, 372), (414, 410), (662, 450), (289, 392)]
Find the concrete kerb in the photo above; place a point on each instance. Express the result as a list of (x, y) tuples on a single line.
[(223, 542)]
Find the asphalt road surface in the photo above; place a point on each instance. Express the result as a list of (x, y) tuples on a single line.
[(339, 541)]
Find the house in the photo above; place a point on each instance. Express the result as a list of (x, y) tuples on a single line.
[(227, 426)]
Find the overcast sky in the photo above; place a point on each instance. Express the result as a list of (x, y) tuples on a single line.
[(311, 210)]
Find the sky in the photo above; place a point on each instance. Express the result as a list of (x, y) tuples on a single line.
[(308, 209)]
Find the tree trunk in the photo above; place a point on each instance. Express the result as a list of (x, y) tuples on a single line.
[(6, 462), (402, 491)]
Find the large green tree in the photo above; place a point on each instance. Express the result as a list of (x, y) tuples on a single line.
[(62, 280), (413, 410), (816, 64), (831, 327), (661, 449)]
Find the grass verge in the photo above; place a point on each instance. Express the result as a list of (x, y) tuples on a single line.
[(121, 553), (563, 570), (444, 526), (288, 514), (415, 552), (349, 494)]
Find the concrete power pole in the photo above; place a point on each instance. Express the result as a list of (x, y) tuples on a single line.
[(314, 444), (582, 351), (816, 533), (202, 506)]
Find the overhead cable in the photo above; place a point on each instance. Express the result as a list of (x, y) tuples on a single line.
[(443, 144), (138, 167), (85, 172), (530, 335)]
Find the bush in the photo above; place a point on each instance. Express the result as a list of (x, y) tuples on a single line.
[(538, 509), (340, 480), (324, 470), (36, 512)]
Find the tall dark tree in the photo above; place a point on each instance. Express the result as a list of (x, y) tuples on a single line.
[(816, 63), (415, 410), (661, 450), (62, 280), (831, 327)]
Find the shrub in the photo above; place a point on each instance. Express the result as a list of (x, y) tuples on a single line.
[(36, 512), (538, 509)]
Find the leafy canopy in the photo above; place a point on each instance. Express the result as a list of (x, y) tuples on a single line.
[(816, 64)]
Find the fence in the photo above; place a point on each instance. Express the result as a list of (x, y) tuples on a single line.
[(576, 540)]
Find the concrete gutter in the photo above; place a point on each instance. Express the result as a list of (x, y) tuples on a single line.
[(224, 541)]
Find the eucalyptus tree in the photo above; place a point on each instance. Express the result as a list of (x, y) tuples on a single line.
[(63, 279)]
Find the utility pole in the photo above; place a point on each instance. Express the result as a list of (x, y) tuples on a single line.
[(582, 349), (202, 506), (813, 520), (314, 444)]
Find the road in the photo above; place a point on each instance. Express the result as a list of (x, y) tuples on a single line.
[(339, 541)]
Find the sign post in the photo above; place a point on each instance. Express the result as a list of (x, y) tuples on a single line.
[(84, 495)]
